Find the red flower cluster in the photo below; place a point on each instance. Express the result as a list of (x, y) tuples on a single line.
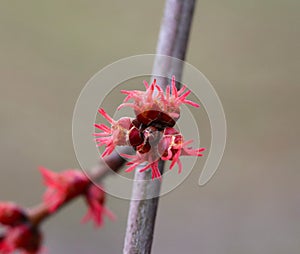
[(151, 133), (62, 186), (70, 183), (20, 234)]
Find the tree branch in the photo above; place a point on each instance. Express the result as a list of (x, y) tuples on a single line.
[(172, 41)]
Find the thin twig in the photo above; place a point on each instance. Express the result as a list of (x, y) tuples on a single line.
[(173, 40)]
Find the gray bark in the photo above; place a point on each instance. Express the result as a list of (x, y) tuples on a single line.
[(172, 41)]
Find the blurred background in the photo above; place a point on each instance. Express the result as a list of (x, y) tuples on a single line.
[(249, 50)]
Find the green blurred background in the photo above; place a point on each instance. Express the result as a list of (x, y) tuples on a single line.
[(249, 50)]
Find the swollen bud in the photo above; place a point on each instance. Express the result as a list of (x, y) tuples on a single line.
[(24, 237), (11, 214)]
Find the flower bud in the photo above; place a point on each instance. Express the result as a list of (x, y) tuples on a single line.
[(11, 214), (23, 237)]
